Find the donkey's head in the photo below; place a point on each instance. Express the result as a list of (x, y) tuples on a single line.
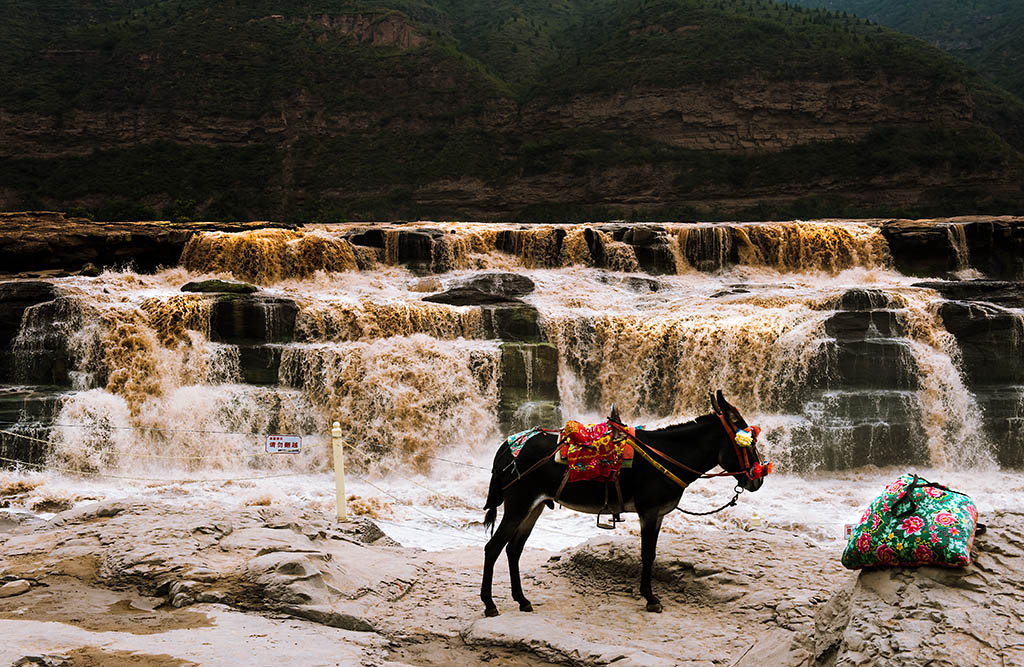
[(739, 445)]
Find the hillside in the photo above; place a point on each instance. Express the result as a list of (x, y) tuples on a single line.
[(987, 34), (545, 109)]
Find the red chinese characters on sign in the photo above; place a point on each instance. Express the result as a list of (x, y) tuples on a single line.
[(284, 443)]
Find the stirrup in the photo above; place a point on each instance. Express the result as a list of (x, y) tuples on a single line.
[(611, 524)]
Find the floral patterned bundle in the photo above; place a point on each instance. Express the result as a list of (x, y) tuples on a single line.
[(915, 522)]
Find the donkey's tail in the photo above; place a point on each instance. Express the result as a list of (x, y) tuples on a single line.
[(495, 497)]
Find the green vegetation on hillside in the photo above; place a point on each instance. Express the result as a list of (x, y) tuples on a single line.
[(338, 109), (987, 34)]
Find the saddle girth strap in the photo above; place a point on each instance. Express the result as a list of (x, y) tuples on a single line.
[(561, 485)]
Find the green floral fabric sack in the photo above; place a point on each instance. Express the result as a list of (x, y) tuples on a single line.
[(915, 522)]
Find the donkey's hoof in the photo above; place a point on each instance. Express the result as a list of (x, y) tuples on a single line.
[(525, 606), (654, 607), (491, 611)]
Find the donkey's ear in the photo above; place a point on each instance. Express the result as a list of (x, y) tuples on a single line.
[(731, 413), (714, 402), (614, 415)]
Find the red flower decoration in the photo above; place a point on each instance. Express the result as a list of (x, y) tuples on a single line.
[(864, 542), (945, 518), (924, 553), (885, 554), (912, 525)]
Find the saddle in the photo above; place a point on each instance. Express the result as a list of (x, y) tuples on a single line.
[(596, 452)]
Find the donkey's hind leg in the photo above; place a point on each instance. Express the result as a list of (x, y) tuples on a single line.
[(515, 549), (516, 511), (650, 527)]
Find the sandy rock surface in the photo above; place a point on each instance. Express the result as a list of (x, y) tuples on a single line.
[(126, 583)]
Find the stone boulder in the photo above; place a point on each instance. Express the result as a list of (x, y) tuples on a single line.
[(502, 284), (219, 287), (652, 249), (932, 615), (505, 317), (472, 296)]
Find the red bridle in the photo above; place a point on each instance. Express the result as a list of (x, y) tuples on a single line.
[(759, 468), (755, 471)]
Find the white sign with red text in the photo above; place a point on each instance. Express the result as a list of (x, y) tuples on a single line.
[(284, 443)]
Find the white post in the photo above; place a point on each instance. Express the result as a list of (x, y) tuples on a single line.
[(339, 471)]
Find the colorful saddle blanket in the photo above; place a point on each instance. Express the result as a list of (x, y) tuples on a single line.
[(594, 451)]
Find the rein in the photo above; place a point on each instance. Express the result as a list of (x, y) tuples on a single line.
[(631, 433)]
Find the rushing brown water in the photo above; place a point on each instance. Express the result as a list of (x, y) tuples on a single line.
[(747, 308)]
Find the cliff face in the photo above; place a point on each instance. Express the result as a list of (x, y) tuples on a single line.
[(754, 114), (665, 111)]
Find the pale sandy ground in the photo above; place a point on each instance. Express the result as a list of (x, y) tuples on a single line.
[(133, 583)]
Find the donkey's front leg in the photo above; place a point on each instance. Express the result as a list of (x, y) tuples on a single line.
[(650, 527)]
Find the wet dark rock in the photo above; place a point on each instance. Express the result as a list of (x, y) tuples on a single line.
[(41, 354), (996, 247), (652, 249), (859, 325), (874, 363), (372, 238), (596, 247), (27, 411), (710, 247), (1003, 408), (1001, 292), (219, 286), (259, 364), (471, 296), (851, 429), (730, 292), (866, 299), (642, 285), (513, 323), (416, 248), (935, 248), (656, 259), (501, 284), (529, 386), (248, 320), (644, 235), (15, 297), (991, 340), (920, 247), (90, 270)]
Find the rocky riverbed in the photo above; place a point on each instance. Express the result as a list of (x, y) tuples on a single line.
[(133, 582)]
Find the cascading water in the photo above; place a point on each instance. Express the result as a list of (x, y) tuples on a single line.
[(805, 326)]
